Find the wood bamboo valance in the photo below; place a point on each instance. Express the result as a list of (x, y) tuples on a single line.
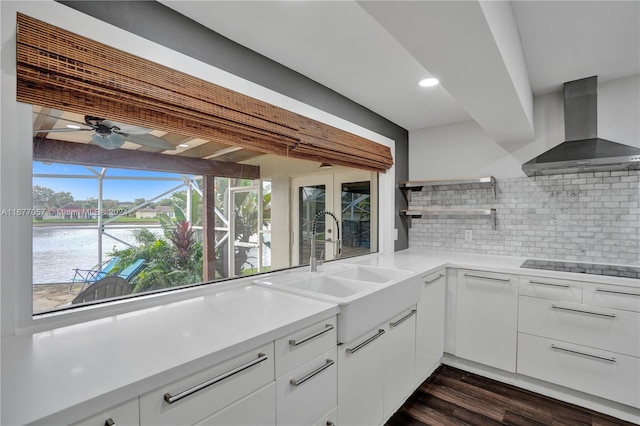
[(62, 70)]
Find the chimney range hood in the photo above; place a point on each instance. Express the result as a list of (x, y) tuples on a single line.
[(583, 150)]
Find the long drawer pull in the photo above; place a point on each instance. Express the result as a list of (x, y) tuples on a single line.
[(327, 327), (626, 293), (365, 343), (298, 382), (504, 280), (173, 398), (433, 279), (550, 284), (604, 358), (403, 319), (562, 308)]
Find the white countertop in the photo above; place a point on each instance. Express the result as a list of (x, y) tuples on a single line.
[(83, 368)]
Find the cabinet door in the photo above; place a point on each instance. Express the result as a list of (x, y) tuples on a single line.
[(399, 362), (127, 413), (198, 396), (256, 409), (308, 392), (486, 318), (430, 325), (360, 380)]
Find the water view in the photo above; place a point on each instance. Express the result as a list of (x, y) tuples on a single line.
[(57, 251)]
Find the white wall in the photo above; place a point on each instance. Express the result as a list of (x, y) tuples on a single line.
[(464, 149)]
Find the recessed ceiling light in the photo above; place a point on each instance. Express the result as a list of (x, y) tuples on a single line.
[(428, 82), (183, 145), (73, 126)]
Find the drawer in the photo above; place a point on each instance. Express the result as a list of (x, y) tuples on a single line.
[(303, 345), (255, 409), (308, 392), (123, 414), (612, 296), (605, 374), (226, 383), (604, 328), (551, 288), (329, 419)]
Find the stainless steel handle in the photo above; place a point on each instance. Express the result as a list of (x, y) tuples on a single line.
[(434, 279), (109, 422), (170, 399), (604, 290), (298, 382), (403, 319), (365, 343), (582, 311), (504, 280), (327, 327), (604, 358), (330, 423), (550, 284)]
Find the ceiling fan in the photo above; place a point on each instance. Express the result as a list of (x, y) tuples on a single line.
[(112, 134)]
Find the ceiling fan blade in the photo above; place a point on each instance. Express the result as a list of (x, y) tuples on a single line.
[(129, 129), (63, 129), (111, 141), (149, 141), (61, 118)]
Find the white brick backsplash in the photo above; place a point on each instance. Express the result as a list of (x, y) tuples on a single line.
[(589, 217)]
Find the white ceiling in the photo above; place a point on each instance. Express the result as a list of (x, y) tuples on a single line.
[(489, 56)]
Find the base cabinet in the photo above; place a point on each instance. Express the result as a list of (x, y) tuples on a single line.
[(127, 414), (399, 360), (256, 409), (361, 380), (487, 318), (430, 324)]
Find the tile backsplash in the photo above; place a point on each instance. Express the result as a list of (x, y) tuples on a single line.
[(588, 217)]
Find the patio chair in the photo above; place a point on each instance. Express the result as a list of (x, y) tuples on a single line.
[(89, 276), (105, 288), (130, 272)]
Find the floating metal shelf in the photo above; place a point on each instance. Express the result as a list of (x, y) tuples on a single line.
[(408, 186), (453, 213)]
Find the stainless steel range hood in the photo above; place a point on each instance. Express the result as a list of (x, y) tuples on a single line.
[(583, 150)]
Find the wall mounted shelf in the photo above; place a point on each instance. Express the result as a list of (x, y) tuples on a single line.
[(408, 186), (450, 213)]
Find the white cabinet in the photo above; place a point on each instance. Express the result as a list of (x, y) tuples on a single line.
[(581, 335), (306, 373), (399, 360), (603, 373), (194, 398), (127, 414), (361, 380), (486, 318), (309, 392), (255, 409), (430, 325)]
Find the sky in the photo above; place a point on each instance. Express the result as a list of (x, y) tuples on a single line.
[(121, 190)]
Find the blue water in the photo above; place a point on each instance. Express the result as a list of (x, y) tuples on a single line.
[(58, 251)]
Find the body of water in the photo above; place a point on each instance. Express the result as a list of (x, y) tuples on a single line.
[(57, 251)]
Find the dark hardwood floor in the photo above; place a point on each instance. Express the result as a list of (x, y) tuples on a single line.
[(455, 397)]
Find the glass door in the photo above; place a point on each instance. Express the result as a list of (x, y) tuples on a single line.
[(350, 197)]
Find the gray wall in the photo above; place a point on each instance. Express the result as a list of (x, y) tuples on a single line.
[(164, 26), (591, 217)]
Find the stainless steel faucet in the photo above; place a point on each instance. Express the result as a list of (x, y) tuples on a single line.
[(313, 262)]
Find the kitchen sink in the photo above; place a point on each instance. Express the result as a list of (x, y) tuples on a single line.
[(367, 295)]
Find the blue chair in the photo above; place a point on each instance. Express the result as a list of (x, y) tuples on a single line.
[(130, 272), (90, 276)]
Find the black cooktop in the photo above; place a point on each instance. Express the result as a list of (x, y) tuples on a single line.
[(583, 268)]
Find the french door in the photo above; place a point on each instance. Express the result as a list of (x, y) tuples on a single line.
[(352, 197)]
